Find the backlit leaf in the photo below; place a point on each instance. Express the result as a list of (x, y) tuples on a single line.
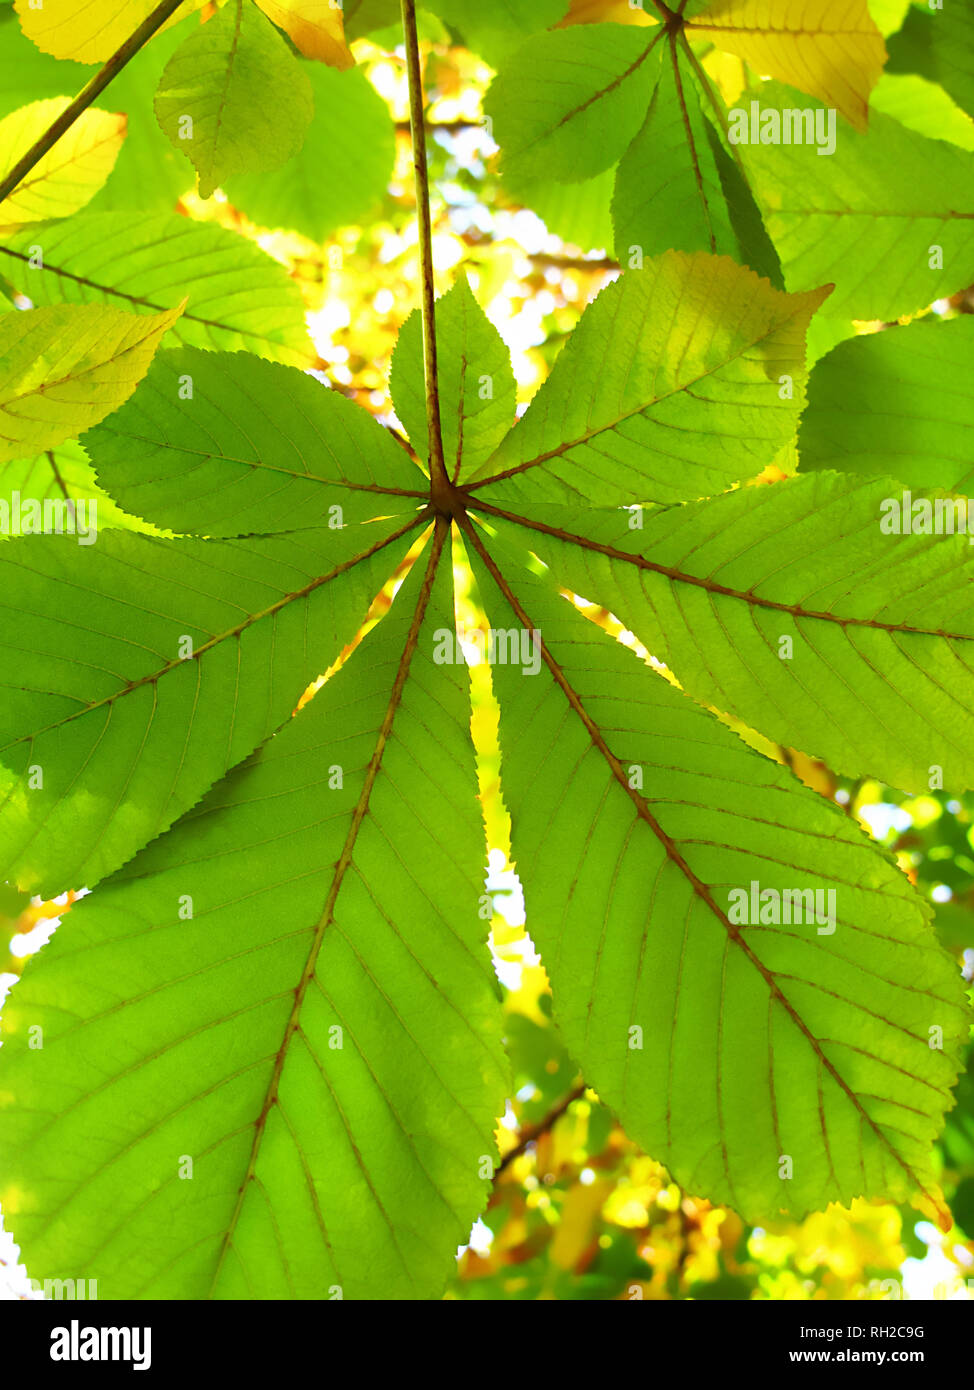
[(63, 369), (895, 404), (597, 83), (69, 175), (338, 1140), (315, 27), (84, 32), (236, 296), (477, 390), (670, 388), (253, 116), (753, 1042), (888, 218), (253, 448), (833, 52)]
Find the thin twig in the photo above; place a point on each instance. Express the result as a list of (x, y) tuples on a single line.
[(533, 1132), (87, 95), (438, 474), (449, 127)]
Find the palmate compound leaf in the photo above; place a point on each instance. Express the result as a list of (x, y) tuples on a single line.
[(64, 368), (236, 295), (298, 921), (679, 181), (233, 96), (68, 176), (316, 1034), (771, 1066), (478, 393), (669, 175), (791, 608), (895, 403), (680, 379)]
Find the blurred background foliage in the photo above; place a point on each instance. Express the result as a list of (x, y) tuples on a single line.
[(577, 1211)]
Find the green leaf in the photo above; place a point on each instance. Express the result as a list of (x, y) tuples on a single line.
[(895, 404), (939, 46), (363, 17), (881, 626), (343, 168), (668, 191), (63, 369), (754, 246), (635, 816), (497, 29), (957, 1140), (925, 107), (478, 394), (670, 388), (888, 218), (237, 296), (56, 477), (317, 1032), (140, 670), (578, 213), (301, 916), (597, 80), (233, 97), (222, 444), (888, 14)]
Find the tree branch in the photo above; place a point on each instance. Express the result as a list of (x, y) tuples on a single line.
[(533, 1132), (87, 95), (450, 127), (441, 490)]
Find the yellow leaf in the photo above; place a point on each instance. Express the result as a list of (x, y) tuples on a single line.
[(728, 73), (576, 1229), (933, 1205), (70, 174), (65, 367), (315, 26), (833, 52), (605, 11), (89, 31)]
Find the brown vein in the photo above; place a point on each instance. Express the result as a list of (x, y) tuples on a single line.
[(747, 596), (673, 852), (341, 868), (247, 622)]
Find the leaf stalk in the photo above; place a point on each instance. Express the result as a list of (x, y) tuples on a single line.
[(441, 491), (112, 67)]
